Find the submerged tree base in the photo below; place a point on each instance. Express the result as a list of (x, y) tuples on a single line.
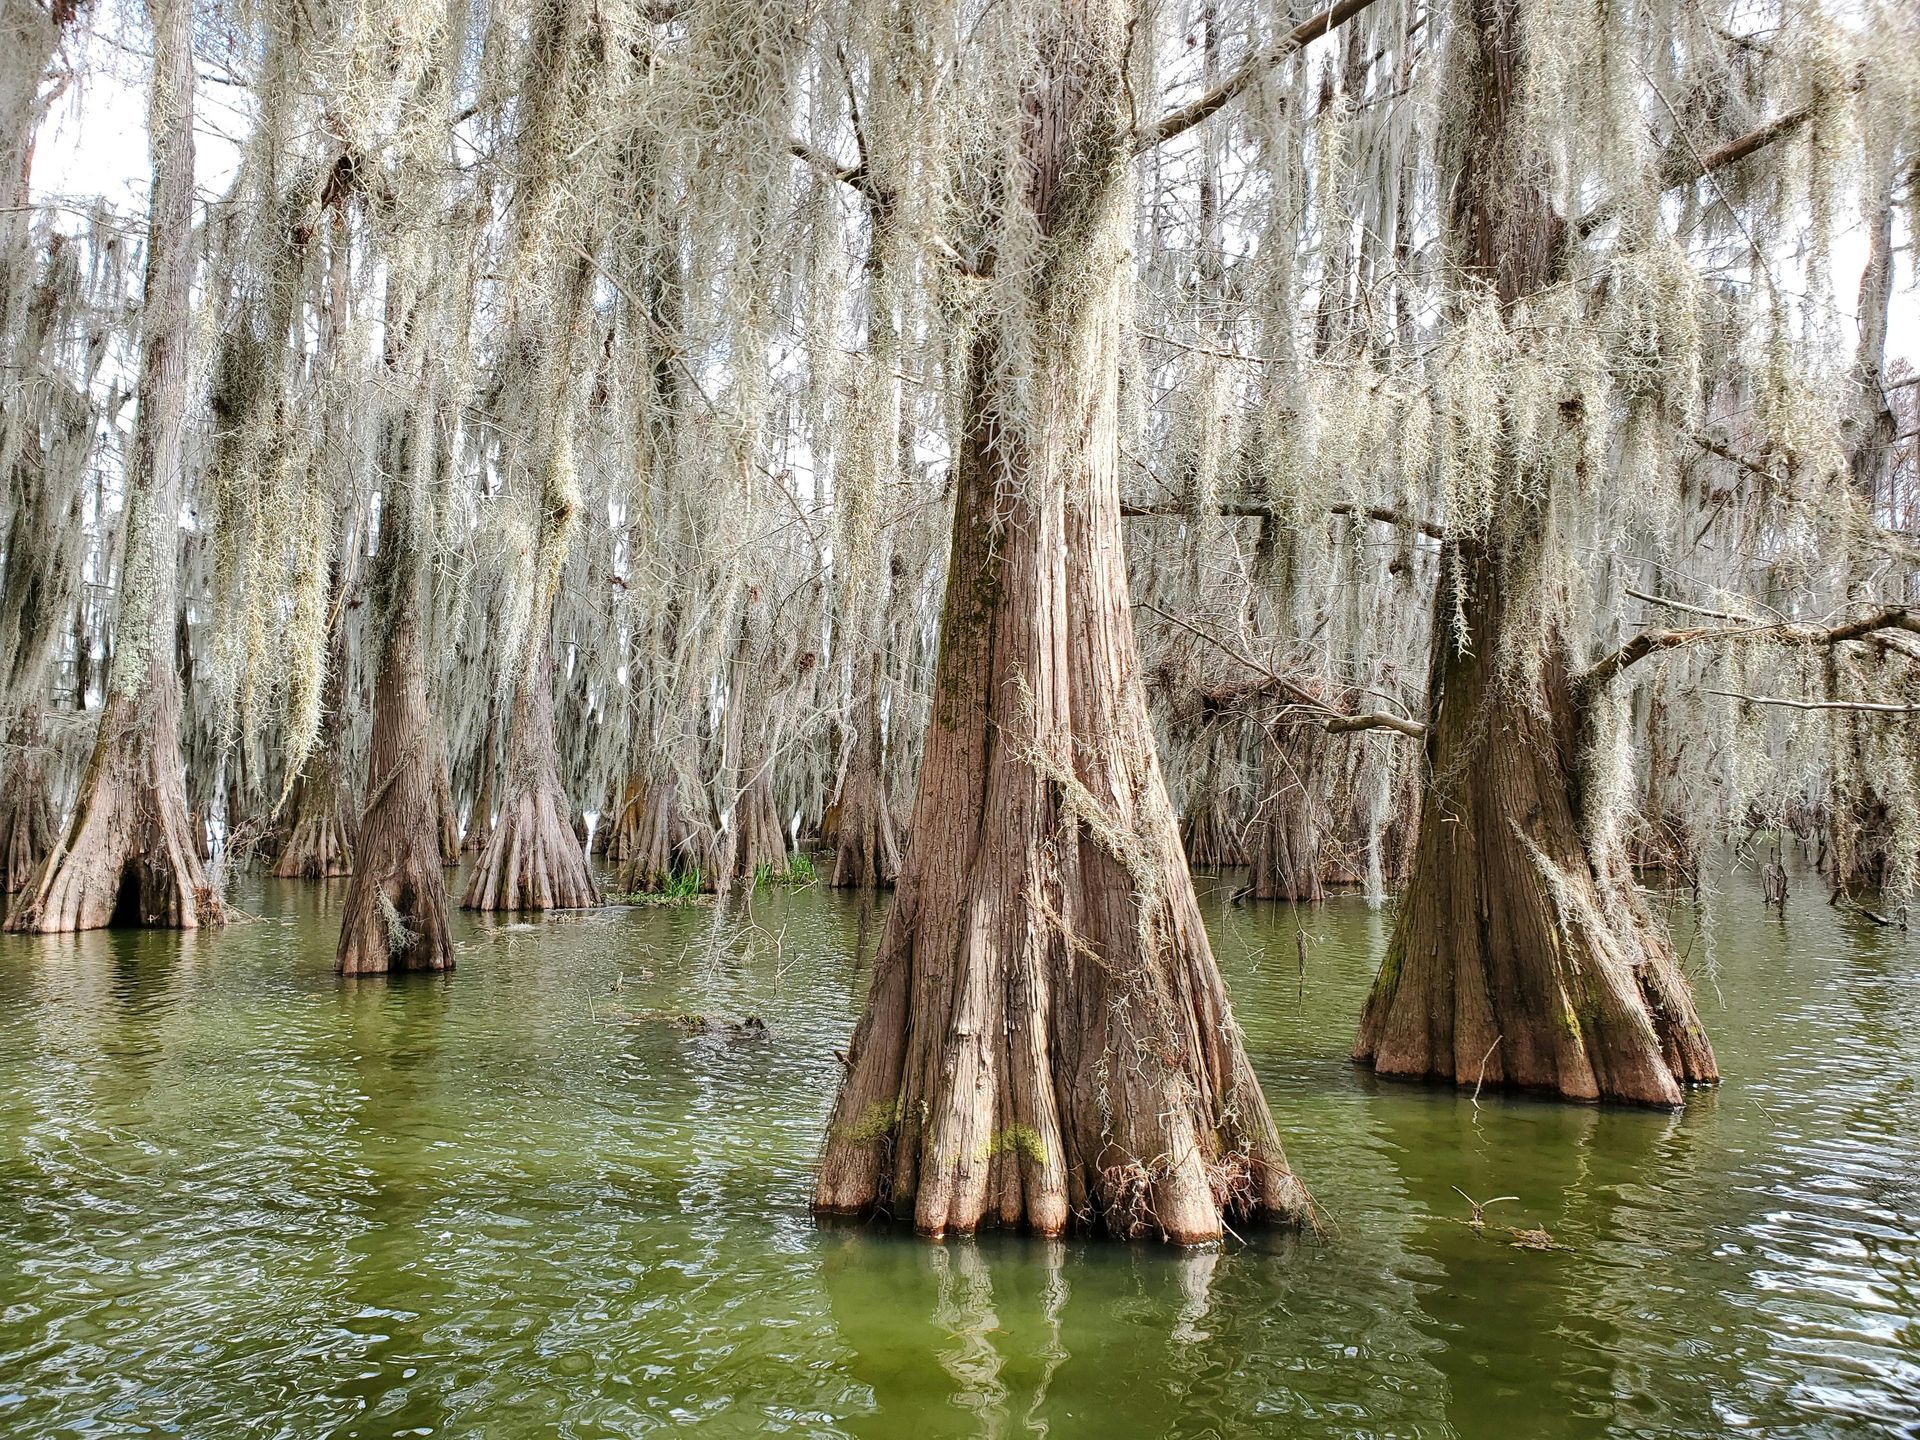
[(128, 855), (320, 844), (532, 860)]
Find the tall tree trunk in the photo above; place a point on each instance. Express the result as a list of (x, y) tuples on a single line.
[(1047, 1038), (319, 839), (395, 915), (1522, 956), (128, 851), (1860, 824)]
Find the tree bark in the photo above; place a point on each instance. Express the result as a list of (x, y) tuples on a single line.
[(660, 840), (1522, 956), (866, 846), (532, 860), (127, 852), (26, 816), (1290, 829), (395, 915), (480, 817), (1047, 1039), (319, 844)]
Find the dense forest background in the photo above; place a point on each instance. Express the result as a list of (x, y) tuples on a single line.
[(1450, 448)]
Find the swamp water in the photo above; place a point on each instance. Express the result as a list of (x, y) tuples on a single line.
[(240, 1197)]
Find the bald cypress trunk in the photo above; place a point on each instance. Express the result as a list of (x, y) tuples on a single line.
[(532, 859), (127, 852), (319, 843), (1047, 1039), (1289, 831), (394, 917), (1522, 956), (866, 846)]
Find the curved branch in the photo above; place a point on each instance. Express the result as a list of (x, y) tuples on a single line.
[(1653, 642)]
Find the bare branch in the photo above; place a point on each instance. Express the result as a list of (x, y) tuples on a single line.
[(1178, 122), (1653, 642), (1335, 722), (1240, 509), (1869, 706)]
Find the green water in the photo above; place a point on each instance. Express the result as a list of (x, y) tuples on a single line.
[(239, 1197)]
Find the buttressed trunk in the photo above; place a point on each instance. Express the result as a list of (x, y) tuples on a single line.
[(1047, 1040), (319, 844), (532, 859), (1522, 957), (128, 853)]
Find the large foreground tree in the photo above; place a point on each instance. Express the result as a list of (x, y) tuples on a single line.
[(128, 853), (1047, 1039), (1523, 954)]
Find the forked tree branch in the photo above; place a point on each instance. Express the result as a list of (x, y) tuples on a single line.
[(1653, 642)]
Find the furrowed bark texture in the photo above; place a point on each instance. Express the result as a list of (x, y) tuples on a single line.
[(319, 843), (395, 915), (1521, 957), (319, 846), (1047, 1039), (866, 845), (127, 853), (659, 839), (532, 859), (26, 816)]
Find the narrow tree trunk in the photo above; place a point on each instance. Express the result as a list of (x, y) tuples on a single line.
[(1521, 956), (532, 860), (866, 846), (1285, 852), (128, 852), (480, 818), (446, 817), (1047, 1038), (319, 841)]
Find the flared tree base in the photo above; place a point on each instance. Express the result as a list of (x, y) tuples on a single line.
[(533, 860), (320, 844), (128, 856)]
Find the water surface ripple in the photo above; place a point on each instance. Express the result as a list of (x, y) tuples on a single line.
[(239, 1197)]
